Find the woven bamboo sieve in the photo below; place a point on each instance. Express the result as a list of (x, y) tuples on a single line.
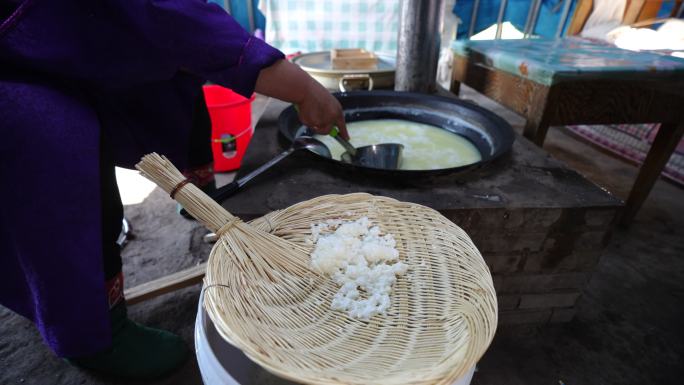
[(264, 298)]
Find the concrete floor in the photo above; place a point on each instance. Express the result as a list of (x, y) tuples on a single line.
[(627, 331)]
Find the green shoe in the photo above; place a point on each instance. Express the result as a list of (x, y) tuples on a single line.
[(137, 352)]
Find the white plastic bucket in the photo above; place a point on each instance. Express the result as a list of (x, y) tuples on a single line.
[(221, 363)]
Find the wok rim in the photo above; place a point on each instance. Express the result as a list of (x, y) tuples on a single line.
[(505, 131)]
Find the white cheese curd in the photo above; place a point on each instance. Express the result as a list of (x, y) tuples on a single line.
[(364, 263)]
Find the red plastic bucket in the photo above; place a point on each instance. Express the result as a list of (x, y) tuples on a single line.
[(231, 126)]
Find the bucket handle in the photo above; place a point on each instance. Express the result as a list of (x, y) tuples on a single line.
[(235, 137)]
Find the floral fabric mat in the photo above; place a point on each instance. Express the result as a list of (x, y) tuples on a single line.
[(632, 141)]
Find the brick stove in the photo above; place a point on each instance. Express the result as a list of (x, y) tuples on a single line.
[(540, 226)]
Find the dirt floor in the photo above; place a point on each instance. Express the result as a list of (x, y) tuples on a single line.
[(627, 330)]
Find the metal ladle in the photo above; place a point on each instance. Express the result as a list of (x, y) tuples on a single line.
[(385, 156), (300, 143)]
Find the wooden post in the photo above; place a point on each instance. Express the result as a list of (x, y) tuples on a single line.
[(632, 11), (580, 16)]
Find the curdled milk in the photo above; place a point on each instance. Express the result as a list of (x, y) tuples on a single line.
[(426, 147), (361, 261)]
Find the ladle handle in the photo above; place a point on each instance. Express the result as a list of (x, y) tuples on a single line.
[(219, 196), (241, 182), (335, 133), (225, 192)]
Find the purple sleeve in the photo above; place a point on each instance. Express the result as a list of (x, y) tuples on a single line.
[(201, 38)]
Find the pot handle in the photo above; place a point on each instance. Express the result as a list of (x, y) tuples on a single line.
[(346, 80)]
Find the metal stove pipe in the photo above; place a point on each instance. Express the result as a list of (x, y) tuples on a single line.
[(420, 24)]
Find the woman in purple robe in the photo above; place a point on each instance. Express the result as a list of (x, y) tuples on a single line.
[(86, 85)]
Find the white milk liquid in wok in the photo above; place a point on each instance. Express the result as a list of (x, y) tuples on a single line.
[(426, 147)]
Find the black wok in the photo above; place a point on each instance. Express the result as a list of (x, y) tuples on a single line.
[(492, 135)]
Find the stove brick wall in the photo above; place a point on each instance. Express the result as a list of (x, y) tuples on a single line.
[(541, 259)]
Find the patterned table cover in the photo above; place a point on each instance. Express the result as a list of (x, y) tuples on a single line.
[(309, 26), (548, 61)]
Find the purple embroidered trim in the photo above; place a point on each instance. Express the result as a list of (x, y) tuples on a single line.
[(14, 17)]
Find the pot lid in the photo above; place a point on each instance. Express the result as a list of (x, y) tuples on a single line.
[(319, 62)]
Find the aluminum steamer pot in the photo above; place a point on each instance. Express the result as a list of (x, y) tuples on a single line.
[(319, 66), (492, 135)]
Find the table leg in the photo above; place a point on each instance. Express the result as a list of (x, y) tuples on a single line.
[(536, 129), (537, 116), (663, 146), (455, 87)]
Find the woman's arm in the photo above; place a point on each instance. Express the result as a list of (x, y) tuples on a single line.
[(318, 109), (203, 39)]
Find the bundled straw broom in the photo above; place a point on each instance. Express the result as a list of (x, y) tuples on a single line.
[(264, 298)]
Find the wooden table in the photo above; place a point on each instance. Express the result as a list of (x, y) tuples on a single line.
[(575, 81)]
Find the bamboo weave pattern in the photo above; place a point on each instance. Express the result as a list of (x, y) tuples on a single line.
[(270, 304)]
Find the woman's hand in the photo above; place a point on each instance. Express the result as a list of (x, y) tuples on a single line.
[(318, 109), (321, 111)]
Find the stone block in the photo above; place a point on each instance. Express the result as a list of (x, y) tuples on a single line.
[(504, 263), (587, 260), (524, 317), (542, 283), (484, 221), (536, 219), (508, 302), (600, 218), (563, 315), (498, 282), (491, 219), (592, 240), (494, 242), (548, 300), (515, 219), (553, 261), (463, 219)]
